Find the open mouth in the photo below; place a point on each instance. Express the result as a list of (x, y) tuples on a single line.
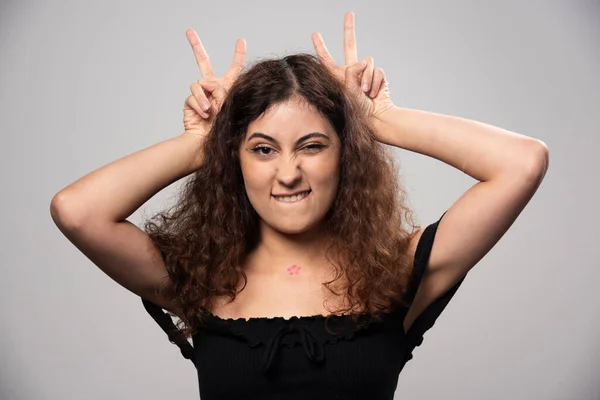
[(293, 199)]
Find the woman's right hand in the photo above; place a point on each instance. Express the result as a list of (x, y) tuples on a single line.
[(208, 92)]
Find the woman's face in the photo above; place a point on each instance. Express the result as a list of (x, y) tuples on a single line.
[(290, 149)]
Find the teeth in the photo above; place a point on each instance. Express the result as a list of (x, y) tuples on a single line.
[(291, 199)]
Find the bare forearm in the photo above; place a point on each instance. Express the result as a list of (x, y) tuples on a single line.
[(480, 150), (114, 191)]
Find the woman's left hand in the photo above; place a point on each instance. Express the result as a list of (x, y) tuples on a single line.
[(365, 81)]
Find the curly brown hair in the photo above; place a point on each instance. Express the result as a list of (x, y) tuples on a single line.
[(206, 236)]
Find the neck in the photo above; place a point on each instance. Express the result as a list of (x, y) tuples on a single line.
[(292, 255)]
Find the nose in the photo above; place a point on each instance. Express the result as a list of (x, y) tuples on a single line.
[(288, 171)]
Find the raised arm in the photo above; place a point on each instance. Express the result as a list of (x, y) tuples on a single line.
[(509, 167), (92, 211)]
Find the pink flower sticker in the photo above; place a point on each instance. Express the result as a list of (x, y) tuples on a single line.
[(294, 270)]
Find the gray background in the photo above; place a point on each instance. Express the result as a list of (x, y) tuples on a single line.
[(83, 83)]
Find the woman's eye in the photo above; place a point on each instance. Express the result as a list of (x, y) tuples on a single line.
[(260, 152), (314, 146), (266, 151)]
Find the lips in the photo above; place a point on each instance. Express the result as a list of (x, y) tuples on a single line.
[(291, 194), (303, 194)]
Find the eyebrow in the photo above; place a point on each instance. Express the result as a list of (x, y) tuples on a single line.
[(300, 140)]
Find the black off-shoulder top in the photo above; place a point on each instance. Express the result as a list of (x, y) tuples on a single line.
[(278, 358)]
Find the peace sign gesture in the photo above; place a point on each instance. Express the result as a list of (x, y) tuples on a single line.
[(208, 93), (361, 78)]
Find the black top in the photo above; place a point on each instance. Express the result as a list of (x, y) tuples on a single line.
[(277, 358)]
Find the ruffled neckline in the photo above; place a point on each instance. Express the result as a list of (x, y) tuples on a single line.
[(314, 317), (258, 331)]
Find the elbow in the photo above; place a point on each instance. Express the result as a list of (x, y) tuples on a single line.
[(62, 212), (537, 160)]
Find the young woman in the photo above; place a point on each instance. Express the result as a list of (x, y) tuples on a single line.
[(291, 258)]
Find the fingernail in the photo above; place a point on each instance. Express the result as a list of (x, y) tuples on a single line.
[(363, 63), (205, 106), (365, 87)]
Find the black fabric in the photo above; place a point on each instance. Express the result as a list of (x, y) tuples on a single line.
[(276, 358), (166, 323)]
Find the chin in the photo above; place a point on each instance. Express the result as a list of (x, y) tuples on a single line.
[(292, 228)]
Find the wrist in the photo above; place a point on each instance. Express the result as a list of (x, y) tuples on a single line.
[(381, 121), (195, 143)]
